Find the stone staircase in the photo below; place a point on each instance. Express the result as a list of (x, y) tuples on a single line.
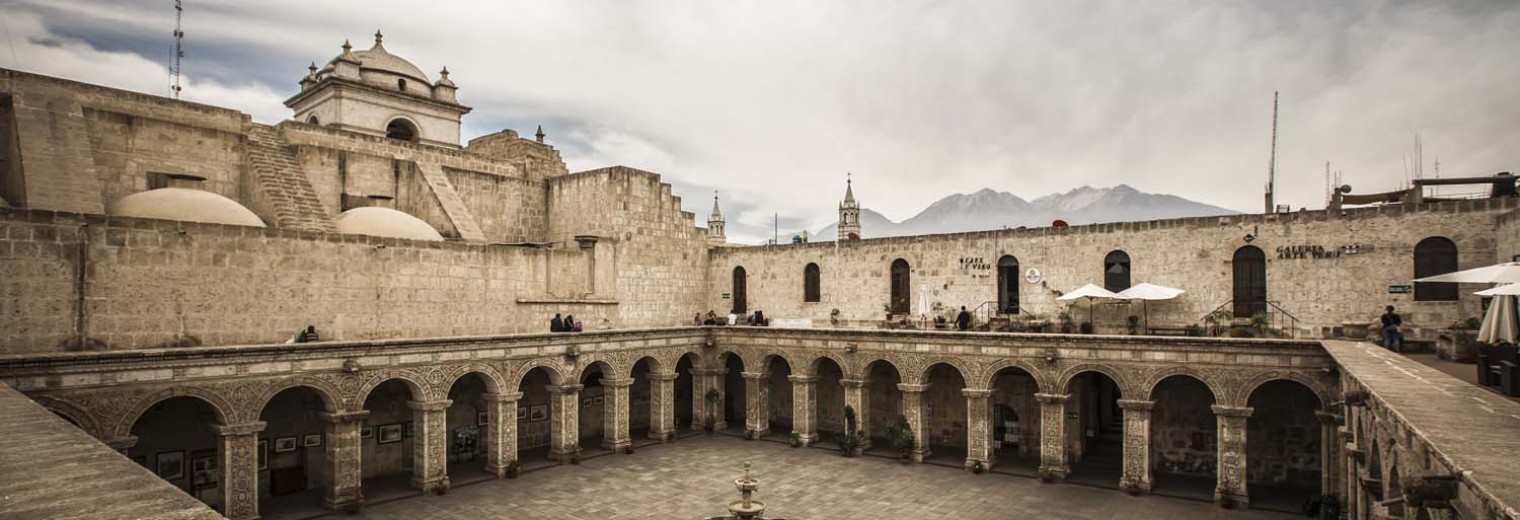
[(453, 206), (282, 183)]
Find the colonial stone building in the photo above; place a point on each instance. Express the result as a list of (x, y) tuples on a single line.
[(158, 254)]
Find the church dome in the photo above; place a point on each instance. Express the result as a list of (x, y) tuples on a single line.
[(385, 222), (184, 204), (377, 59)]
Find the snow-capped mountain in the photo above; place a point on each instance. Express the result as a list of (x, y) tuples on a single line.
[(989, 209)]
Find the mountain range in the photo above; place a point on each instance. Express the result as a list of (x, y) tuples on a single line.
[(989, 209)]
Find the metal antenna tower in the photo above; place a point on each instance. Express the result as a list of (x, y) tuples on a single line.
[(179, 49), (1272, 160)]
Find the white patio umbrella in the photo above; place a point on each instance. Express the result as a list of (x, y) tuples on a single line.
[(1089, 291), (1510, 289), (1146, 292), (1499, 324), (1508, 272)]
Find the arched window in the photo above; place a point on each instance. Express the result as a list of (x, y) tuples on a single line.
[(401, 129), (1250, 281), (740, 305), (313, 119), (401, 84), (1433, 256), (811, 292), (901, 297), (1008, 284), (1116, 271)]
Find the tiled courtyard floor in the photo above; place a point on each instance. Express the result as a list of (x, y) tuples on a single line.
[(693, 479)]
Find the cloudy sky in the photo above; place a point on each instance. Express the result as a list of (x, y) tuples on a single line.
[(772, 102)]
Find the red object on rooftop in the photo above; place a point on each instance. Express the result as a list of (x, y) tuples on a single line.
[(1058, 223)]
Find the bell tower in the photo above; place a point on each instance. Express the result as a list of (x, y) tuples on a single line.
[(715, 223), (849, 213)]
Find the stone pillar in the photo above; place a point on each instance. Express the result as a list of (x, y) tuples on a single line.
[(240, 469), (804, 410), (1352, 472), (703, 381), (430, 445), (756, 404), (1053, 435), (1232, 455), (1136, 477), (913, 410), (344, 466), (1329, 460), (857, 395), (662, 406), (978, 427), (564, 421), (615, 434), (501, 432)]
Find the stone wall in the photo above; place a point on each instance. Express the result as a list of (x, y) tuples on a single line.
[(1193, 254)]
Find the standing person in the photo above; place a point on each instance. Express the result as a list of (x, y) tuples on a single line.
[(556, 324), (1392, 339), (569, 325), (963, 320)]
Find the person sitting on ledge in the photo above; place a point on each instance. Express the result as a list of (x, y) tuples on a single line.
[(569, 324), (759, 319), (712, 318), (557, 324)]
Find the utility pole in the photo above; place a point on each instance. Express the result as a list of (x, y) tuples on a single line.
[(1272, 160)]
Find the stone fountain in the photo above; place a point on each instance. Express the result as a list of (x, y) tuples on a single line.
[(746, 508)]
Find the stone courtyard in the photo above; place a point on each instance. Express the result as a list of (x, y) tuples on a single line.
[(693, 478)]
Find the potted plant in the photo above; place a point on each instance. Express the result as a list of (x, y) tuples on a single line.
[(794, 439), (834, 317), (1194, 330), (514, 469), (628, 449), (1047, 475), (849, 441), (709, 423), (354, 502), (1067, 325), (749, 434), (574, 451), (887, 308), (1466, 350), (977, 468), (1086, 328), (900, 435), (1450, 342), (1259, 323)]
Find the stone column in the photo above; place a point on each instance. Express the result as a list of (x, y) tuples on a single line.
[(703, 380), (430, 452), (501, 432), (564, 421), (1232, 455), (344, 466), (240, 469), (804, 410), (1352, 473), (757, 404), (615, 435), (1053, 435), (913, 410), (978, 427), (857, 395), (1136, 477), (1329, 461), (662, 406)]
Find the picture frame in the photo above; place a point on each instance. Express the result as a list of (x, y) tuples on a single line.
[(284, 444), (263, 454), (597, 400), (411, 429), (312, 440), (388, 433), (538, 412), (366, 432), (522, 413), (585, 402), (482, 418), (170, 465), (203, 468)]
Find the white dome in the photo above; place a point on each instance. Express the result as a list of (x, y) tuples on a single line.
[(385, 222), (184, 204)]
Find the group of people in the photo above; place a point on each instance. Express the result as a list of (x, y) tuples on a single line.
[(757, 319), (566, 324)]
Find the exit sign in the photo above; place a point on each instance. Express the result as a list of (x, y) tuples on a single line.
[(1400, 289)]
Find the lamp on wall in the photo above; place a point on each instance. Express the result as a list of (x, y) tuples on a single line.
[(851, 348), (351, 367)]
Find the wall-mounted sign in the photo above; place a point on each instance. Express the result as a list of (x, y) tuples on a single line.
[(725, 296), (1400, 289), (1306, 251), (1033, 275), (975, 263)]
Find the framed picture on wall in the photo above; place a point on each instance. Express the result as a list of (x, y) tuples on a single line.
[(389, 433), (263, 454), (171, 465), (284, 444), (482, 418), (411, 429), (538, 412), (312, 440), (366, 432), (596, 400), (586, 402), (522, 413), (203, 467)]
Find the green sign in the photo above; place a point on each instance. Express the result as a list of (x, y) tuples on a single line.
[(1400, 289)]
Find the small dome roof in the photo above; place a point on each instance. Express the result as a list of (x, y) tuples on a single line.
[(385, 222), (381, 60), (184, 204)]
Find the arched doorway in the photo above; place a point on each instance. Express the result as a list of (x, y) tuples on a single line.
[(641, 415), (1184, 439), (944, 408), (901, 297), (465, 425), (535, 430), (885, 403), (1008, 285), (1015, 421), (1283, 438), (592, 433), (292, 475), (685, 403), (1095, 443), (1435, 256), (401, 129), (779, 394), (386, 460), (1250, 266), (741, 303), (734, 403), (1116, 269), (828, 402), (177, 440)]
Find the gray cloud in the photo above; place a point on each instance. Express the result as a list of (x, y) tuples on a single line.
[(773, 102)]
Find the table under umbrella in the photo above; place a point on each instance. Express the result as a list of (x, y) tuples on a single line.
[(1090, 292), (1145, 292)]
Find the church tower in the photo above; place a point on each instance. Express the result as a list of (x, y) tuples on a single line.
[(715, 225), (849, 213)]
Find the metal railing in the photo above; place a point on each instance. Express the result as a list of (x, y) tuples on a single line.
[(1274, 312)]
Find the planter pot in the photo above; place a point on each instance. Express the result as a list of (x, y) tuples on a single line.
[(1354, 331)]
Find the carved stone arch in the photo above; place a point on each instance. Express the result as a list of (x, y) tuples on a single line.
[(746, 358), (1123, 378), (1211, 382), (864, 364), (218, 403), (969, 373), (606, 365), (434, 380), (491, 377), (656, 363), (557, 372), (332, 400), (412, 381), (769, 356), (1042, 378), (1241, 394), (810, 360), (72, 411)]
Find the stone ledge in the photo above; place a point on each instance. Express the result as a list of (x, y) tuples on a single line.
[(565, 301)]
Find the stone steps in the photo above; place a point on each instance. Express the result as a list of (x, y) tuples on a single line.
[(284, 184)]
